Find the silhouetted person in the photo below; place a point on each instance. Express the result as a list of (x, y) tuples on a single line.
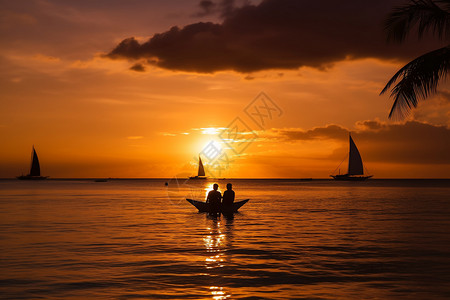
[(228, 199), (213, 199)]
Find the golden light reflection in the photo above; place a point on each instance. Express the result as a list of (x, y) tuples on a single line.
[(216, 244), (218, 293)]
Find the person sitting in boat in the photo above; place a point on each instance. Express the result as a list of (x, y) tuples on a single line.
[(213, 199), (228, 199)]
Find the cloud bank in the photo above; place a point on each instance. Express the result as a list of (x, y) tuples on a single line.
[(275, 34), (410, 143)]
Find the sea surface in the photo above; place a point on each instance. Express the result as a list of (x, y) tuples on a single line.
[(294, 239)]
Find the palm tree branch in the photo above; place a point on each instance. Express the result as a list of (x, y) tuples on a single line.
[(417, 80), (427, 15)]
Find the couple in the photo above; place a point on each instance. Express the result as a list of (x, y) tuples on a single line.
[(214, 197)]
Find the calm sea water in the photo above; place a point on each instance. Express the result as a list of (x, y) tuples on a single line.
[(138, 239)]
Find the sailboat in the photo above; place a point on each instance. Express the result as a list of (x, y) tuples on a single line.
[(201, 170), (35, 169), (355, 165)]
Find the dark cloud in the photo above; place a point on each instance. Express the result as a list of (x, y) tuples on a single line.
[(206, 5), (276, 34), (223, 8), (371, 125), (328, 132), (138, 67), (227, 7), (412, 142)]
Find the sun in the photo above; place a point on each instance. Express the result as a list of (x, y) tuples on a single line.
[(211, 150)]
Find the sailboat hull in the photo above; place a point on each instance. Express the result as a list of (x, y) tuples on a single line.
[(29, 177), (347, 177), (197, 177), (204, 207)]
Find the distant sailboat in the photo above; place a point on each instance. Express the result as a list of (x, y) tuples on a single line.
[(35, 169), (355, 165), (201, 170)]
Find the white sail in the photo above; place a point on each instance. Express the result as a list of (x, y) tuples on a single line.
[(201, 170), (355, 164)]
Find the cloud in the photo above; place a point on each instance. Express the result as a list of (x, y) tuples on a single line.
[(275, 34), (435, 110), (46, 58), (328, 132), (168, 134), (223, 7), (207, 7), (411, 142), (138, 67)]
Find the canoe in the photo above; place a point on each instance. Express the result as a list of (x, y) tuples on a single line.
[(204, 207)]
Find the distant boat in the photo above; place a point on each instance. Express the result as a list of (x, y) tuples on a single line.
[(35, 169), (101, 180), (355, 165), (201, 170)]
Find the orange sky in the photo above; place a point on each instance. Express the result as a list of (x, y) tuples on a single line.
[(92, 116)]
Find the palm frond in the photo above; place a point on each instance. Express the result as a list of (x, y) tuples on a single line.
[(427, 15), (417, 80)]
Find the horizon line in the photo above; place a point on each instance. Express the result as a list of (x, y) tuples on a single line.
[(222, 178)]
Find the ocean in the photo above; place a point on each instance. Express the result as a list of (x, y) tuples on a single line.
[(294, 239)]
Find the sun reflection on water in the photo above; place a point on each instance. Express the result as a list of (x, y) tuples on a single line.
[(218, 293), (216, 245)]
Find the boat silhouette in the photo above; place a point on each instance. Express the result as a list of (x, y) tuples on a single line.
[(201, 170), (204, 207), (35, 169), (355, 170)]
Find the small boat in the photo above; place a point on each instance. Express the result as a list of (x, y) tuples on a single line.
[(35, 169), (201, 170), (204, 207), (355, 165)]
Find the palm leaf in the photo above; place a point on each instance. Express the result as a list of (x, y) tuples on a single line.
[(423, 15), (417, 80)]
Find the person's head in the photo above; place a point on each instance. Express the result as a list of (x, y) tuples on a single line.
[(229, 186), (215, 186)]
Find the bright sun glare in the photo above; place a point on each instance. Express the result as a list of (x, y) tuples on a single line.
[(211, 150), (212, 130)]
